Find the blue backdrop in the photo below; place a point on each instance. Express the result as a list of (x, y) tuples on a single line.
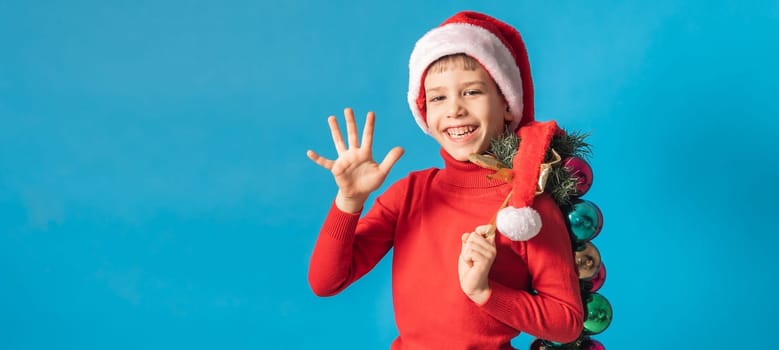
[(155, 194)]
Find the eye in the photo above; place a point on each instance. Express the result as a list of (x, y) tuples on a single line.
[(436, 98), (470, 92)]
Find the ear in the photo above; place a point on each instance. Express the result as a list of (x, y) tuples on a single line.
[(507, 116)]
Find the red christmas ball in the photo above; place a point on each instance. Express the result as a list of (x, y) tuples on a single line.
[(592, 344), (599, 278), (580, 169)]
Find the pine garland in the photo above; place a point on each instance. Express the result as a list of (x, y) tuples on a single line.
[(504, 147), (561, 185)]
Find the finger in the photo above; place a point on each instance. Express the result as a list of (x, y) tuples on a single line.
[(479, 253), (480, 248), (319, 160), (477, 240), (367, 131), (483, 246), (390, 159), (351, 128), (485, 230), (466, 255), (335, 131), (464, 250)]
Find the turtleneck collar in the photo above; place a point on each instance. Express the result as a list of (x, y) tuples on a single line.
[(466, 174)]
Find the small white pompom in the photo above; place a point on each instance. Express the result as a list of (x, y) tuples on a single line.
[(518, 224)]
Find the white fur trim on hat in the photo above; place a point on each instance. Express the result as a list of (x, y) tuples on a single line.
[(474, 41), (518, 224)]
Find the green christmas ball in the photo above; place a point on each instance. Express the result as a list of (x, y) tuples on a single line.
[(584, 219), (599, 314)]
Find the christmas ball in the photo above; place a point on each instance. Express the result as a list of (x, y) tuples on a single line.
[(592, 344), (580, 169), (599, 314), (599, 278), (543, 344), (537, 344), (584, 219), (588, 261)]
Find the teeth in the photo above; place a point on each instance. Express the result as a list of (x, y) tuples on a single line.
[(460, 131)]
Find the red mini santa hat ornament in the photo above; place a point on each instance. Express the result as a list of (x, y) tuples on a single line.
[(499, 48)]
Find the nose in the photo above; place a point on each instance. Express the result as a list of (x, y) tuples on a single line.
[(455, 108)]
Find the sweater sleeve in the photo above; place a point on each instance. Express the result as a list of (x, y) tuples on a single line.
[(554, 312), (348, 247)]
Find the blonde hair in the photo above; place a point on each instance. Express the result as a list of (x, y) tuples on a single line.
[(458, 60)]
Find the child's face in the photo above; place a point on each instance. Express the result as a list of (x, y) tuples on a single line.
[(465, 110)]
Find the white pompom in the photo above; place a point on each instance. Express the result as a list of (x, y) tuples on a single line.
[(518, 224)]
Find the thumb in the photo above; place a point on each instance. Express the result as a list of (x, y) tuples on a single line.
[(389, 160), (485, 230), (491, 238)]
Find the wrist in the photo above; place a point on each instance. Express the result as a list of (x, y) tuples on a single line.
[(351, 205), (480, 296)]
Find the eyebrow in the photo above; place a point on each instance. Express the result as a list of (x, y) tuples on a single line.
[(434, 89), (474, 82), (467, 83)]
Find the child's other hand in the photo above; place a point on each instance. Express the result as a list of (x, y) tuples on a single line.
[(355, 171), (476, 257)]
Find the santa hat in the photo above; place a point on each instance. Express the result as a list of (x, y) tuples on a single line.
[(518, 221), (499, 48)]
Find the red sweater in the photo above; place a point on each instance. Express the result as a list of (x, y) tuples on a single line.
[(422, 217)]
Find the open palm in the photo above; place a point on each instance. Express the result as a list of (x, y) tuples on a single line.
[(355, 171)]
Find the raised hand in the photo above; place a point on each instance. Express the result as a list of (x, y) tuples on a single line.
[(476, 257), (355, 171)]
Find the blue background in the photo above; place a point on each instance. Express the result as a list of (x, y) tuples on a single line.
[(154, 189)]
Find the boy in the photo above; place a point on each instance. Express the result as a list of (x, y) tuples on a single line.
[(469, 81)]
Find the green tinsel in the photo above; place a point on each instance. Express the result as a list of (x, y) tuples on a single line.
[(561, 185)]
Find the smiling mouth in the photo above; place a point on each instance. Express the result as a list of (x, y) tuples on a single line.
[(460, 131)]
